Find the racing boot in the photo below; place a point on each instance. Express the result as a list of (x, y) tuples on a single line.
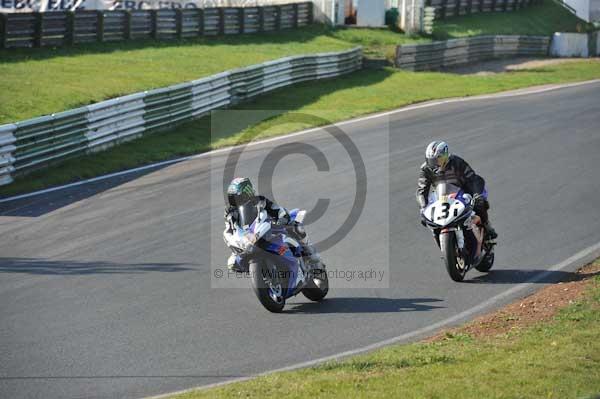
[(233, 265), (490, 232), (311, 256), (309, 253)]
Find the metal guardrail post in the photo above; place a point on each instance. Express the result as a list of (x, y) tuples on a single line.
[(100, 25), (70, 28), (154, 24), (37, 30), (261, 19), (3, 30), (179, 23), (221, 21), (200, 22), (295, 8), (128, 21), (278, 18), (241, 19)]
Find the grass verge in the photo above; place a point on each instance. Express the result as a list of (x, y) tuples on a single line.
[(366, 91), (556, 358), (41, 81), (543, 19)]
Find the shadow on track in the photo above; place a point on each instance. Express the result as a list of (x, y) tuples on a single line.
[(516, 276), (366, 305), (72, 268), (40, 205)]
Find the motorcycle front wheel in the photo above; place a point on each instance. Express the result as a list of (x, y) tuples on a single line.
[(454, 265), (267, 286)]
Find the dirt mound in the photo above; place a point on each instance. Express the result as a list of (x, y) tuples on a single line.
[(542, 305)]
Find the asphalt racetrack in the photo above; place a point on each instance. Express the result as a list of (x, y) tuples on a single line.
[(105, 288)]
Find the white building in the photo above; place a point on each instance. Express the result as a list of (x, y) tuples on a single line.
[(352, 12), (588, 10)]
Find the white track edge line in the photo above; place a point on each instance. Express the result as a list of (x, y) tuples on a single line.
[(580, 258), (506, 94)]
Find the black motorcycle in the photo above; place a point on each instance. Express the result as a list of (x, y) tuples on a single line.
[(458, 231)]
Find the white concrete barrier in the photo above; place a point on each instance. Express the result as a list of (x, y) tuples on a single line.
[(569, 45)]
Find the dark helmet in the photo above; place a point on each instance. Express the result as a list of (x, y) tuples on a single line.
[(240, 191), (437, 155)]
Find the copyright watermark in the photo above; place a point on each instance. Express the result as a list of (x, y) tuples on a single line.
[(346, 275)]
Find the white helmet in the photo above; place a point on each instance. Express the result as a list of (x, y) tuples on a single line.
[(437, 155)]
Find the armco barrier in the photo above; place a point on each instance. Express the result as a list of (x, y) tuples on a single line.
[(60, 28), (452, 8), (35, 143), (432, 56), (7, 140)]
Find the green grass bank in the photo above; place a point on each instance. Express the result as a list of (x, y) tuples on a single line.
[(543, 19)]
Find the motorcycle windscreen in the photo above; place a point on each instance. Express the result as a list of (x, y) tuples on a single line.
[(444, 188), (248, 213)]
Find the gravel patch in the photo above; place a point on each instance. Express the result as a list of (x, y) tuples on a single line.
[(508, 65)]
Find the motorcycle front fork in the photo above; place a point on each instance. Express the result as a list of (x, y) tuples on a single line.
[(460, 242), (460, 238)]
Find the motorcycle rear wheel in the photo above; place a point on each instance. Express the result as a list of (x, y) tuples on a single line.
[(265, 285), (449, 252), (318, 286)]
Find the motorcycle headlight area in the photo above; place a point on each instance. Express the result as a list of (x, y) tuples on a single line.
[(248, 241)]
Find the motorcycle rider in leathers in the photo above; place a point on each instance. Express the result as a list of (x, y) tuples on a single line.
[(239, 192), (440, 165)]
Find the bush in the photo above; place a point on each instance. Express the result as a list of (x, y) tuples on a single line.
[(391, 18)]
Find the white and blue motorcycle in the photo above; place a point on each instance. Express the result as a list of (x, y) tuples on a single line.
[(274, 258)]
